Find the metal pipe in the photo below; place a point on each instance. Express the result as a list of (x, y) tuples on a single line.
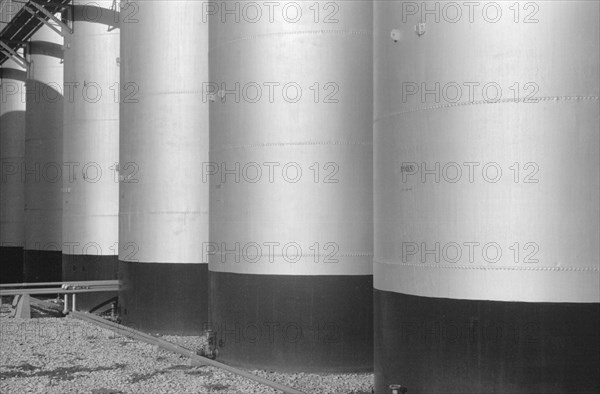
[(80, 283), (56, 291), (140, 336), (66, 306)]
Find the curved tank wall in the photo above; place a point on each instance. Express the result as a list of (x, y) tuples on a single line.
[(12, 152), (163, 219), (43, 158), (486, 155), (91, 148), (291, 184)]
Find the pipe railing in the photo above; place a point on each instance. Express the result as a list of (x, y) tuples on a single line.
[(65, 289), (141, 336), (78, 283)]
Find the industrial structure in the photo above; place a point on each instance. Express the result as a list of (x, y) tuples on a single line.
[(90, 219), (42, 169), (12, 152), (291, 190), (411, 188), (163, 219), (486, 266)]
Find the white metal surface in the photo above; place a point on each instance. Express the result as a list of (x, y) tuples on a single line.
[(12, 152), (541, 212), (91, 136), (291, 141), (43, 148), (164, 132)]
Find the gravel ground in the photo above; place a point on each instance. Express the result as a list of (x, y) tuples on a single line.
[(63, 355)]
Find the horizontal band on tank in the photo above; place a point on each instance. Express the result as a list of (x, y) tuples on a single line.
[(311, 265), (47, 92), (481, 283), (285, 34), (164, 298), (90, 249), (11, 234), (289, 211), (434, 345), (85, 233), (95, 14), (324, 167), (46, 48), (11, 264), (13, 73), (92, 122), (293, 144), (514, 208), (43, 227), (122, 258), (146, 235), (551, 99), (293, 323), (87, 268), (42, 266)]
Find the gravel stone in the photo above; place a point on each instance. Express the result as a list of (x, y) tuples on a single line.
[(63, 355)]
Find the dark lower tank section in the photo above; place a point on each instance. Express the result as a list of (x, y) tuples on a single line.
[(435, 345), (293, 323), (42, 266), (87, 267), (164, 298), (11, 264)]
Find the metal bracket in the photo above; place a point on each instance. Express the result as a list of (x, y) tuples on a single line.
[(420, 29), (8, 51), (114, 7), (49, 16), (70, 16)]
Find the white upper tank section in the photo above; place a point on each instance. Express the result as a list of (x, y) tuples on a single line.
[(487, 150), (43, 142), (164, 132), (91, 133), (291, 137)]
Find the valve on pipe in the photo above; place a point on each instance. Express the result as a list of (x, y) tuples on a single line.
[(398, 389)]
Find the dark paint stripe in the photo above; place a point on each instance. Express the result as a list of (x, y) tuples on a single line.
[(13, 73), (86, 267), (93, 14), (11, 264), (46, 48), (42, 266), (164, 298), (434, 345), (293, 323)]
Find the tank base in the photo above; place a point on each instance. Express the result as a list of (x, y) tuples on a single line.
[(42, 266), (85, 267), (293, 323), (164, 298), (434, 345), (11, 265)]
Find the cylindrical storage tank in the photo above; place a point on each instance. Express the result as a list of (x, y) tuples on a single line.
[(290, 178), (91, 148), (486, 144), (12, 151), (43, 169), (163, 218)]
